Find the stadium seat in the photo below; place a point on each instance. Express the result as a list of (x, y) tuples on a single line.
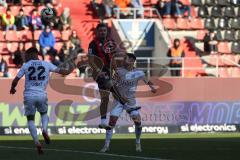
[(215, 60), (65, 35), (197, 2), (2, 9), (197, 23), (25, 35), (210, 2), (203, 11), (223, 72), (216, 11), (223, 2), (183, 23), (12, 36), (209, 23), (28, 10), (3, 48), (40, 9), (235, 3), (223, 47), (28, 45), (201, 34), (228, 60), (1, 36), (237, 35), (235, 72), (229, 11), (235, 23), (12, 47), (57, 34), (169, 23), (37, 34), (229, 35), (15, 10), (235, 48)]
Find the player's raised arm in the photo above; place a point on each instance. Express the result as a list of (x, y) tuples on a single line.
[(150, 84)]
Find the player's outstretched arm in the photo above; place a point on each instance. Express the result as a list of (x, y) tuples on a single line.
[(14, 84), (150, 84)]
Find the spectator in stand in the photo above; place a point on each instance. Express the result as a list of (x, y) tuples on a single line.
[(210, 43), (173, 8), (138, 5), (65, 20), (18, 55), (176, 53), (76, 40), (8, 20), (47, 42), (36, 21), (122, 5), (55, 60), (55, 23), (22, 21), (66, 50), (3, 3), (3, 67), (108, 5)]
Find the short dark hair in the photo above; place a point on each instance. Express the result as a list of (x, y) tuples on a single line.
[(31, 50), (131, 55), (101, 25)]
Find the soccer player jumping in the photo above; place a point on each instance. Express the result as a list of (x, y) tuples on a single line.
[(126, 82), (35, 96)]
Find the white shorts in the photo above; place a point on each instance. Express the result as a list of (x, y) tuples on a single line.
[(118, 109), (39, 103)]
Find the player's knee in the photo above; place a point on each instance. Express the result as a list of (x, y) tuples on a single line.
[(137, 120), (113, 121), (30, 117)]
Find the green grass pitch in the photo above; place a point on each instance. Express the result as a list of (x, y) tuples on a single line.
[(85, 147)]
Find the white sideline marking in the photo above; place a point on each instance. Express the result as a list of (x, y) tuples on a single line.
[(83, 152)]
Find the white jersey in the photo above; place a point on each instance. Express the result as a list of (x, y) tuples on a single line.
[(36, 76), (127, 84)]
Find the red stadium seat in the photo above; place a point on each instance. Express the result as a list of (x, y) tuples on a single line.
[(12, 47), (235, 72), (201, 34), (215, 60), (2, 9), (223, 47), (65, 35), (3, 48), (228, 60), (223, 72), (13, 72), (28, 45), (25, 35), (1, 36), (37, 34), (40, 9), (197, 23), (183, 23), (28, 10), (15, 10), (169, 23), (12, 36), (57, 34)]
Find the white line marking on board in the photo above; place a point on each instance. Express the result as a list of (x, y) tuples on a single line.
[(84, 152)]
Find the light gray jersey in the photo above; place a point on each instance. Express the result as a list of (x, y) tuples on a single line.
[(36, 76), (127, 84)]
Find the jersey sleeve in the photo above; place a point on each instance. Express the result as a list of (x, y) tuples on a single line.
[(53, 68), (21, 71)]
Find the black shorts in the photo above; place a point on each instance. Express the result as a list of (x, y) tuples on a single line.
[(102, 82)]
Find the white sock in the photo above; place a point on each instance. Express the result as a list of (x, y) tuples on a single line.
[(33, 130), (44, 122), (109, 134)]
